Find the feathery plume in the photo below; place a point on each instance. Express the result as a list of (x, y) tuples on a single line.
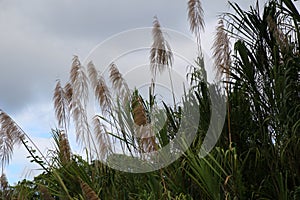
[(221, 50), (101, 90), (196, 18), (61, 106), (77, 95), (102, 137), (79, 81), (221, 54), (10, 134), (161, 55), (81, 124), (103, 94), (93, 74), (68, 95), (119, 82)]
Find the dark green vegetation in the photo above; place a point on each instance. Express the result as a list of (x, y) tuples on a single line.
[(257, 156)]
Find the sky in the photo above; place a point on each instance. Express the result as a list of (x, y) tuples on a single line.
[(39, 38)]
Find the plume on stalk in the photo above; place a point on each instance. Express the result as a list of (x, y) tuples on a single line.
[(161, 55), (76, 95), (79, 81), (68, 91), (102, 137), (93, 74), (10, 134), (119, 83), (61, 105), (221, 50), (196, 18), (221, 54), (103, 94), (81, 125), (100, 88)]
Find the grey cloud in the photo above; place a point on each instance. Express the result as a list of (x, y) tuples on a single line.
[(38, 38), (85, 19)]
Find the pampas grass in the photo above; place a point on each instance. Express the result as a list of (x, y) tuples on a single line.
[(68, 91), (61, 106), (71, 101), (10, 134), (161, 55), (92, 74), (102, 137), (221, 54), (101, 91), (119, 83), (79, 81), (196, 18), (221, 50), (79, 85), (103, 95)]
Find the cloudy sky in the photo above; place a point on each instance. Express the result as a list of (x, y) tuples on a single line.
[(39, 38)]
